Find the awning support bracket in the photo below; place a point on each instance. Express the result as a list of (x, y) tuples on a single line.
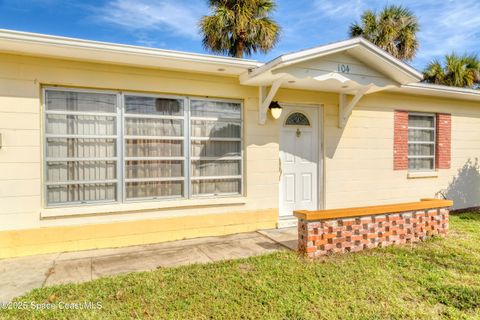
[(344, 109), (266, 98)]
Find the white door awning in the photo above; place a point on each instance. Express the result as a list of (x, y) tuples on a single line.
[(353, 67)]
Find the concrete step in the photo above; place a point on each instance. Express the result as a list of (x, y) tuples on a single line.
[(287, 222)]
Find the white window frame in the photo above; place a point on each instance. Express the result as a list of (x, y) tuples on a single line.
[(434, 142), (46, 159), (241, 140), (184, 158), (120, 148)]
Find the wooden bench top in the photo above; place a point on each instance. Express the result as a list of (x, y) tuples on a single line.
[(424, 204)]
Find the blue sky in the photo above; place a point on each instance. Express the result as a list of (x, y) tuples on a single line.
[(446, 25)]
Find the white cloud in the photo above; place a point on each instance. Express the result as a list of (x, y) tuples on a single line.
[(446, 26), (449, 26), (339, 9), (144, 39), (178, 17)]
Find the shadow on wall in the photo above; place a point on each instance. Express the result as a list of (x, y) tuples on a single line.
[(334, 134), (464, 189)]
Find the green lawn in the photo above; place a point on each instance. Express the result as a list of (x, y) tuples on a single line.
[(436, 279)]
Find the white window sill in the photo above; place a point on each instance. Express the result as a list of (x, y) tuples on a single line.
[(422, 174), (138, 206)]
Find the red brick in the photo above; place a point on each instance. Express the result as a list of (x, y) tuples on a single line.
[(400, 140), (339, 240), (443, 141), (311, 249), (365, 220), (369, 236), (380, 219), (328, 247), (393, 217), (356, 238), (356, 227), (362, 233), (320, 242), (347, 234), (347, 222)]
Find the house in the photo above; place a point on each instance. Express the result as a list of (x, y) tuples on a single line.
[(108, 145)]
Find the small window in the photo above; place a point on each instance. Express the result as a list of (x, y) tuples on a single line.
[(297, 119), (421, 142)]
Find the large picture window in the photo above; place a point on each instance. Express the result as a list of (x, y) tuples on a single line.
[(114, 147), (421, 142)]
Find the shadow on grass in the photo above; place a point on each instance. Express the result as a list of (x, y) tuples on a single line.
[(467, 215), (457, 296)]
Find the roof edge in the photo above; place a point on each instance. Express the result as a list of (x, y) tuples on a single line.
[(435, 88), (403, 65), (43, 39), (255, 66), (319, 51)]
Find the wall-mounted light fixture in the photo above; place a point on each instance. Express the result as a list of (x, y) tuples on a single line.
[(275, 109)]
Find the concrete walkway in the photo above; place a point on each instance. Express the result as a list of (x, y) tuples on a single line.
[(20, 275)]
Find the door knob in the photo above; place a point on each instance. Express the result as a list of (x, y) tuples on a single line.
[(298, 133)]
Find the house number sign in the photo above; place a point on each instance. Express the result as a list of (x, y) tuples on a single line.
[(343, 68)]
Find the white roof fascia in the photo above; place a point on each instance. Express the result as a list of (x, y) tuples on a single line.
[(299, 56), (96, 47), (435, 90), (392, 60)]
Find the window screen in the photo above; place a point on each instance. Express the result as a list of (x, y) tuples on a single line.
[(154, 147), (81, 147), (107, 147), (216, 148), (421, 142)]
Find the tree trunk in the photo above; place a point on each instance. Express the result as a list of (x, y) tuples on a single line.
[(239, 49)]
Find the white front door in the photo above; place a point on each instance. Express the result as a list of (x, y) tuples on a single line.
[(299, 140)]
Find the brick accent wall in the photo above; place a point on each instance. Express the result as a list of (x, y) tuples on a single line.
[(400, 140), (443, 141), (319, 238)]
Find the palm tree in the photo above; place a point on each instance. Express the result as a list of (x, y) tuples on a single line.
[(394, 30), (457, 71), (238, 27)]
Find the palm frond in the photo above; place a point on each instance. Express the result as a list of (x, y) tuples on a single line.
[(457, 70), (434, 72), (238, 27), (393, 29), (355, 30)]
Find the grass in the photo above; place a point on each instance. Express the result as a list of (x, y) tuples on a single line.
[(439, 278)]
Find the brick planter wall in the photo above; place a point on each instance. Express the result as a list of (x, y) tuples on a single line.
[(319, 237)]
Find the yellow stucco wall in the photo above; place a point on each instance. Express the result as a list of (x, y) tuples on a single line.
[(23, 231), (107, 235), (21, 79), (358, 159)]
